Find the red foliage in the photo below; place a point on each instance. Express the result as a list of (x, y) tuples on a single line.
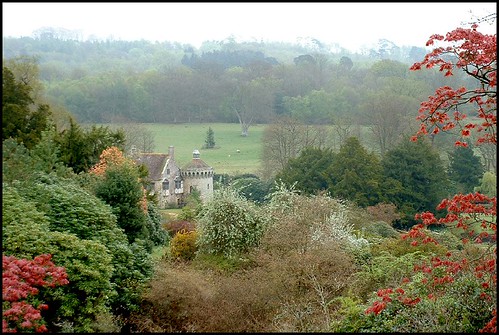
[(476, 55), (176, 226), (22, 278)]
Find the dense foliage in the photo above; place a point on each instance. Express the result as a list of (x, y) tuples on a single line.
[(416, 178), (345, 240), (19, 121), (465, 169), (49, 212), (229, 224)]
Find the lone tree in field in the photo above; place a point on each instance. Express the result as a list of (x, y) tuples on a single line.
[(210, 139)]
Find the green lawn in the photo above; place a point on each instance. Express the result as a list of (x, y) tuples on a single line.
[(224, 158)]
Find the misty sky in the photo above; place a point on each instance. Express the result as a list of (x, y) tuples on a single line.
[(351, 25)]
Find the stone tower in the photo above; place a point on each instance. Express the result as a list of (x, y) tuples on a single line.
[(197, 175)]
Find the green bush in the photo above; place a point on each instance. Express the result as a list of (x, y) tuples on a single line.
[(455, 308), (382, 229), (158, 234), (26, 233), (229, 224)]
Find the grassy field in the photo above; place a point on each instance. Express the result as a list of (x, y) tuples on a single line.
[(233, 154), (224, 158)]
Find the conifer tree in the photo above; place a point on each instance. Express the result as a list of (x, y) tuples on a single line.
[(210, 139)]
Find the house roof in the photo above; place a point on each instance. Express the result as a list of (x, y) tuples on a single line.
[(196, 164), (155, 163)]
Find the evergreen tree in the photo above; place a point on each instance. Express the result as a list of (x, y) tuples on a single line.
[(210, 139), (308, 170), (19, 120), (465, 169), (355, 174), (414, 178)]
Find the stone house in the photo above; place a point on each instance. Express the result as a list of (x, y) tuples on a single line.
[(171, 183)]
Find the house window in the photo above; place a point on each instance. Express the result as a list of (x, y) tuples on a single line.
[(150, 188), (208, 186), (178, 184), (168, 171), (166, 185)]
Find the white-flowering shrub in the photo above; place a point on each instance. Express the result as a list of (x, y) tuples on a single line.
[(229, 224), (336, 228), (282, 199)]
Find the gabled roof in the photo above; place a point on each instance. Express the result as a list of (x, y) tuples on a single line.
[(154, 162)]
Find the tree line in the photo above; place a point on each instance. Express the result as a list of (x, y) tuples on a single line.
[(110, 81)]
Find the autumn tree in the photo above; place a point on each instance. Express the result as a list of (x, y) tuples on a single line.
[(472, 280), (475, 54)]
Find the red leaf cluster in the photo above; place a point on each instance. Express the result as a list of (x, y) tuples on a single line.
[(475, 54), (22, 278)]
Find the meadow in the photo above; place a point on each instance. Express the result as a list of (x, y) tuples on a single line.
[(233, 153)]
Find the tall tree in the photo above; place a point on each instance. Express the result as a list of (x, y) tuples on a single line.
[(388, 117), (80, 148), (355, 174), (417, 177), (21, 119), (118, 184), (465, 169), (252, 100), (285, 138), (307, 172), (209, 142)]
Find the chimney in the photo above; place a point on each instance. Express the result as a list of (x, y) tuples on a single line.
[(170, 152)]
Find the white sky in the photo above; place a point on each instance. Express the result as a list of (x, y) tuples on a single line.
[(351, 25)]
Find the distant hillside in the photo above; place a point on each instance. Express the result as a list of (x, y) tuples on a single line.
[(222, 81)]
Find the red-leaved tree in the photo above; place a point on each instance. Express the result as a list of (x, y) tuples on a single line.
[(21, 280), (476, 54)]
